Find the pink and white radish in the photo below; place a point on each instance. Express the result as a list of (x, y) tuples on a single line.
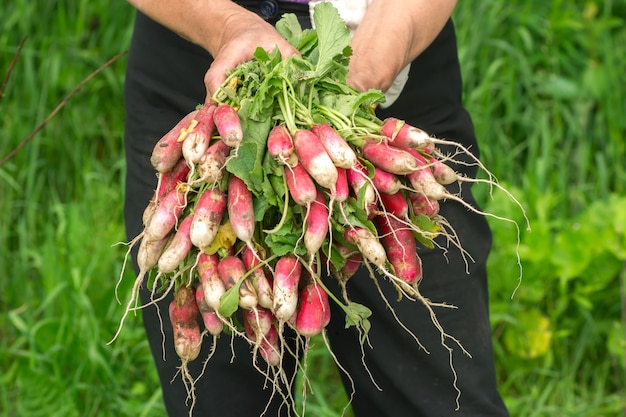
[(287, 274), (315, 159), (280, 145), (212, 285), (210, 209), (400, 247), (339, 151), (240, 210), (228, 125), (178, 248), (402, 134), (313, 313), (300, 184), (168, 150)]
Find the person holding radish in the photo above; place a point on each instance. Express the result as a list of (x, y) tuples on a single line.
[(180, 56)]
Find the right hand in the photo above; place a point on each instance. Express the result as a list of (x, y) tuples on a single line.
[(242, 32)]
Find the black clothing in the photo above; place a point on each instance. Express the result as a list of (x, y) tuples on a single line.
[(164, 82)]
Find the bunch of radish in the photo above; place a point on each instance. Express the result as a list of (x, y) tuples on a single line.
[(284, 180)]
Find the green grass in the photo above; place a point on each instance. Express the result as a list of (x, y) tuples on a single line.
[(543, 81)]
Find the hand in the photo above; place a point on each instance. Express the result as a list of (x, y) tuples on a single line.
[(241, 34)]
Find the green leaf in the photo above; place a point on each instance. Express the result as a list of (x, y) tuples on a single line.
[(357, 315), (332, 34), (229, 302)]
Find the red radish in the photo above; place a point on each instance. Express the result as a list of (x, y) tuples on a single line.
[(395, 204), (269, 347), (240, 210), (166, 214), (184, 315), (211, 320), (260, 279), (286, 278), (423, 179), (168, 180), (313, 310), (148, 212), (228, 125), (368, 245), (335, 145), (257, 323), (210, 209), (352, 265), (358, 178), (196, 143), (212, 286), (316, 224), (401, 248), (342, 189), (402, 134), (386, 182), (280, 145), (301, 186), (315, 159), (178, 248), (443, 174), (212, 164), (149, 252), (389, 158), (231, 270), (168, 150), (424, 182), (423, 205)]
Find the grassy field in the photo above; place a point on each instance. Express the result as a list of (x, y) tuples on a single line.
[(544, 82)]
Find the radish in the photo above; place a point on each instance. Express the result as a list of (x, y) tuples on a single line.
[(231, 270), (280, 145), (168, 150), (389, 158), (395, 204), (423, 205), (212, 286), (212, 164), (313, 312), (269, 347), (196, 144), (301, 186), (315, 159), (315, 225), (423, 179), (402, 134), (400, 247), (149, 252), (184, 315), (368, 245), (166, 214), (210, 318), (228, 125), (335, 145), (286, 278), (178, 248), (257, 323), (210, 209), (342, 189), (358, 178), (240, 210), (386, 182), (168, 180), (260, 279), (443, 174)]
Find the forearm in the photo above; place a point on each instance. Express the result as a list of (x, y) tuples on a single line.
[(391, 35), (199, 21)]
